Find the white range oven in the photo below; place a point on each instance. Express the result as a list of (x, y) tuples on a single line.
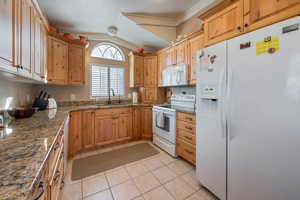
[(164, 121)]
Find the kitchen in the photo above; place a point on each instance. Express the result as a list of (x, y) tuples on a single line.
[(149, 100)]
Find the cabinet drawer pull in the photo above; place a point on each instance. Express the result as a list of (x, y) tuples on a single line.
[(189, 138), (189, 152), (246, 25), (42, 189), (62, 184), (189, 128), (56, 146), (189, 118), (56, 176)]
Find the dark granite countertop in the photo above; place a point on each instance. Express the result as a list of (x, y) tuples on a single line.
[(25, 144)]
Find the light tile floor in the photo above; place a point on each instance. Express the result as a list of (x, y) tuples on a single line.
[(160, 177)]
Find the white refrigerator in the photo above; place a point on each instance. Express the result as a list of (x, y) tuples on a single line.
[(248, 115)]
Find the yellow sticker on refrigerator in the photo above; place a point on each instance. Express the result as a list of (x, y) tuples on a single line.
[(269, 45)]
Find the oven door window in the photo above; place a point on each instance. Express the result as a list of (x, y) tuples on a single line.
[(166, 126)]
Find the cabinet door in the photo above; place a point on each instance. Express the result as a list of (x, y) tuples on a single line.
[(26, 42), (224, 25), (124, 127), (36, 51), (147, 123), (57, 61), (181, 53), (139, 71), (75, 133), (196, 44), (43, 51), (262, 13), (149, 95), (6, 33), (105, 129), (76, 64), (150, 71), (161, 66), (88, 129), (137, 123)]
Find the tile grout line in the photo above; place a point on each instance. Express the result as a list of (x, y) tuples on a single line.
[(109, 188)]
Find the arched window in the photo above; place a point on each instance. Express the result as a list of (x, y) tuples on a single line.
[(108, 51)]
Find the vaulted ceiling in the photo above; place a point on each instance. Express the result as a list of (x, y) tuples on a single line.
[(94, 16)]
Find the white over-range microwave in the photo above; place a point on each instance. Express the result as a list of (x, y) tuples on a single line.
[(175, 75)]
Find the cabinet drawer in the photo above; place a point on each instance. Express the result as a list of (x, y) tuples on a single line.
[(113, 111), (57, 148), (186, 151), (185, 126), (186, 136), (186, 117)]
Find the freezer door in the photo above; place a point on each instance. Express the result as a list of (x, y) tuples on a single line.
[(210, 125), (264, 110)]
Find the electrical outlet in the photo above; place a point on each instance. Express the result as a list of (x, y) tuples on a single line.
[(73, 97)]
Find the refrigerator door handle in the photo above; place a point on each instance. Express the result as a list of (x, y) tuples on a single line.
[(228, 102), (223, 103)]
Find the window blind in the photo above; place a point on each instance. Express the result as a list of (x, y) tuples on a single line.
[(107, 79)]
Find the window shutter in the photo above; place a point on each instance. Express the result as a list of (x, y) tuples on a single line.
[(104, 77), (99, 81), (117, 80)]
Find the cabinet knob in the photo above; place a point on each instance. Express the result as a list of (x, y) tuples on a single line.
[(246, 25), (238, 28)]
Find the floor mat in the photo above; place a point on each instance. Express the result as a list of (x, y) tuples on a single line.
[(85, 167)]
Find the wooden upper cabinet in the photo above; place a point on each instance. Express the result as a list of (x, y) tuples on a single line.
[(171, 56), (88, 128), (225, 24), (196, 44), (162, 64), (76, 64), (136, 74), (182, 53), (261, 13), (26, 39), (57, 61), (150, 71), (37, 40), (149, 95), (6, 33), (75, 133)]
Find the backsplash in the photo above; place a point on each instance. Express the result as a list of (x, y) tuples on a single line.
[(14, 94)]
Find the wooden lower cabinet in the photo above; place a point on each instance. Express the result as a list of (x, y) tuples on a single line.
[(186, 137), (88, 128), (75, 133), (147, 123), (105, 129), (124, 127), (137, 123), (51, 182)]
